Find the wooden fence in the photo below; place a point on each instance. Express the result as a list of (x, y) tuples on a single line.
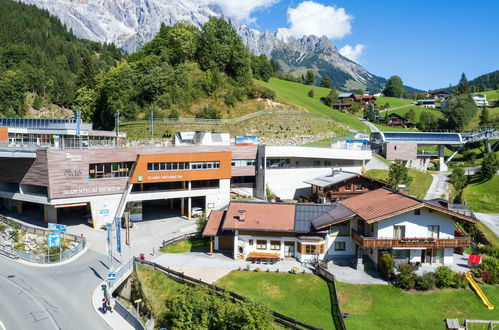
[(339, 322), (178, 277)]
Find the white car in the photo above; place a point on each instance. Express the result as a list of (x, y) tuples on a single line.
[(196, 212)]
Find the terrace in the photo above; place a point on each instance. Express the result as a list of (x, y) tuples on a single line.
[(388, 243)]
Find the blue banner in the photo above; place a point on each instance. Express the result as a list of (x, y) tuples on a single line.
[(109, 235), (78, 122), (117, 223), (56, 227), (117, 123)]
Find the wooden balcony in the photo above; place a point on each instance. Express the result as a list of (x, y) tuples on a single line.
[(388, 243)]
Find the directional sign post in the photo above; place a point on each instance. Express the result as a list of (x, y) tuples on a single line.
[(53, 240), (56, 227), (111, 276)]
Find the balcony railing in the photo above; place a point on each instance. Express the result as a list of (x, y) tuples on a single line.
[(388, 243)]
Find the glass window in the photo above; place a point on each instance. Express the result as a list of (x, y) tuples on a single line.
[(348, 187), (339, 246), (417, 212), (434, 231), (251, 242), (317, 163), (149, 166), (358, 187), (275, 245), (327, 163), (261, 244), (398, 232), (309, 249), (343, 229)]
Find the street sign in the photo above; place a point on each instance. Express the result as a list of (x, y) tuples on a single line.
[(56, 227), (111, 276), (54, 240)]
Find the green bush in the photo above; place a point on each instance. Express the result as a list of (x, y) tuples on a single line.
[(406, 279), (425, 282), (387, 266), (462, 282), (3, 227), (310, 93), (489, 250), (490, 265), (209, 112), (256, 91), (446, 278), (201, 223)]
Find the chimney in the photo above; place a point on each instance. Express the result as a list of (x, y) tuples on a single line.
[(242, 215), (401, 188)]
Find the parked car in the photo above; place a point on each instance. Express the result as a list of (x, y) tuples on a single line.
[(196, 212)]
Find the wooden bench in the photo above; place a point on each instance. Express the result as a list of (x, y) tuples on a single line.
[(263, 257)]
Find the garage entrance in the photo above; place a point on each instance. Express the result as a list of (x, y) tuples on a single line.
[(163, 208), (73, 214)]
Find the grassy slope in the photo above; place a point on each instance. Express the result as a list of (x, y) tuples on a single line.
[(419, 185), (196, 244), (387, 307), (393, 101), (295, 93), (302, 296), (483, 196), (394, 129), (418, 111)]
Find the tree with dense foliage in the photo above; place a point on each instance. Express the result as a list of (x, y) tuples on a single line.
[(427, 121), (361, 92), (484, 117), (489, 168), (331, 98), (398, 174), (311, 93), (460, 111), (356, 108), (209, 112), (370, 112), (410, 116), (463, 87), (198, 308), (458, 179), (310, 77), (326, 81), (394, 87), (261, 67)]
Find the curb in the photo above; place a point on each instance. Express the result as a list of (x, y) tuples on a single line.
[(65, 262)]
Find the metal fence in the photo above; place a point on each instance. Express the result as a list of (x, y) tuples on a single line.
[(41, 258)]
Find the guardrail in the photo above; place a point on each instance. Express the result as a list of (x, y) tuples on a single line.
[(283, 320), (41, 258), (339, 322), (178, 239)]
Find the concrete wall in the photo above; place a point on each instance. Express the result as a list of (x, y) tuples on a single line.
[(417, 225), (319, 153), (402, 151)]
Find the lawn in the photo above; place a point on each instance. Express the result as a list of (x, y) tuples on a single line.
[(420, 181), (304, 297), (418, 111), (295, 93), (394, 129), (192, 244), (387, 307), (483, 196), (394, 102)]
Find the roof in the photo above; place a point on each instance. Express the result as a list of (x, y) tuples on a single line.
[(343, 95), (396, 115), (335, 215), (380, 204), (438, 92), (305, 213), (327, 180), (422, 137), (213, 223), (473, 258), (260, 216)]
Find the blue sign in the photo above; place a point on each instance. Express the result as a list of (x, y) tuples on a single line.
[(111, 276), (109, 234), (104, 212), (78, 122), (117, 223), (54, 240), (247, 140), (56, 227)]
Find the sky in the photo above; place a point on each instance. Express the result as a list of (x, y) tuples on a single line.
[(427, 43)]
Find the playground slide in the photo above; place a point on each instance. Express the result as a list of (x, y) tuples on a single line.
[(479, 291)]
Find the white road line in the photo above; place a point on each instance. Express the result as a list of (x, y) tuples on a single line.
[(2, 326)]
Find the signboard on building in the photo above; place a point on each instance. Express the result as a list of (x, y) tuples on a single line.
[(56, 227), (246, 140), (53, 240)]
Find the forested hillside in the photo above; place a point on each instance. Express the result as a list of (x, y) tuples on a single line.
[(38, 55)]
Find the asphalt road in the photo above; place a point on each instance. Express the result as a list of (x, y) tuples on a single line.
[(51, 297)]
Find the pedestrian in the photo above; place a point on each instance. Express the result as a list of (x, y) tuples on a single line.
[(112, 303), (142, 256), (105, 303)]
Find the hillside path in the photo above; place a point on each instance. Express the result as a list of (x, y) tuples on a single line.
[(439, 186), (396, 108)]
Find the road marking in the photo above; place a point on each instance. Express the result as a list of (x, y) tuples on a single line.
[(2, 326)]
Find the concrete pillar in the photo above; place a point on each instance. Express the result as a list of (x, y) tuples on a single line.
[(189, 207), (236, 234), (182, 207), (442, 167), (189, 185), (359, 262), (49, 214), (211, 246), (216, 242), (171, 203)]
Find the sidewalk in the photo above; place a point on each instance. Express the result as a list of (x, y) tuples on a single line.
[(114, 320)]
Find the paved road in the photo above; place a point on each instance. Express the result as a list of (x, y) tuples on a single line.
[(371, 126), (63, 292), (490, 220), (396, 108), (439, 186)]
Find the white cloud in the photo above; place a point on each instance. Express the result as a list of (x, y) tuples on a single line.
[(310, 17), (352, 53), (241, 10)]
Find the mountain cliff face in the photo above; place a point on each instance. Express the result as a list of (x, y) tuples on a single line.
[(131, 23)]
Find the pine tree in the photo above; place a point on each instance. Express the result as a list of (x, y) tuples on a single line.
[(311, 93), (489, 167), (326, 81), (484, 117), (310, 77), (463, 87)]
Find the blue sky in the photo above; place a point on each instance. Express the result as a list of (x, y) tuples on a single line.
[(427, 43)]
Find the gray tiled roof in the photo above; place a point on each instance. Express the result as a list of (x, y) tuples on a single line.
[(305, 213)]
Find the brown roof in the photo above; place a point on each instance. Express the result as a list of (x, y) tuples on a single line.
[(260, 216), (213, 223), (379, 204)]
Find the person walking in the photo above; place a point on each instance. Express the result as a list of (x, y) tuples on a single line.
[(112, 303), (105, 304)]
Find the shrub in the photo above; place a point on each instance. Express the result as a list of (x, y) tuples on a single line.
[(462, 282), (173, 114), (406, 277), (295, 270), (209, 112), (3, 227), (257, 269), (446, 278), (248, 267), (277, 270), (425, 282), (491, 266), (200, 224), (255, 91), (387, 266), (310, 93)]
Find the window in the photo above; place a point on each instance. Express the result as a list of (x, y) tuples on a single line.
[(309, 249), (343, 229), (417, 212), (109, 170), (358, 187), (348, 187), (251, 242), (179, 166), (317, 163), (434, 231), (275, 245), (327, 163), (339, 246), (398, 232), (261, 244)]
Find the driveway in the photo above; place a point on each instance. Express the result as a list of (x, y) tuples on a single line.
[(439, 186), (490, 220)]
